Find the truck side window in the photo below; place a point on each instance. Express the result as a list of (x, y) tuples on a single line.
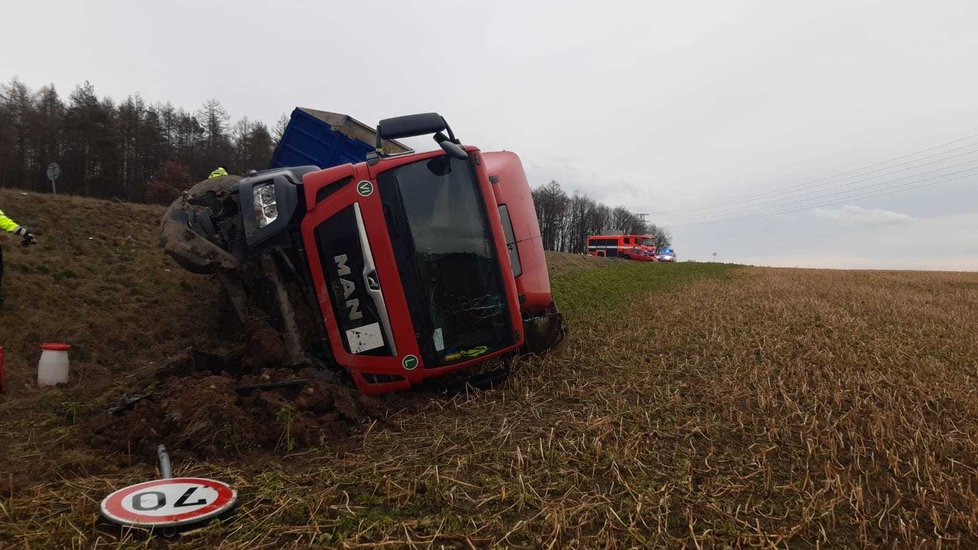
[(511, 246)]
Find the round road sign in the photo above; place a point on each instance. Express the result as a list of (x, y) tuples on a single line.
[(168, 502), (53, 171)]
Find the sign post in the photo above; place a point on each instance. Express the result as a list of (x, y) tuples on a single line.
[(53, 172)]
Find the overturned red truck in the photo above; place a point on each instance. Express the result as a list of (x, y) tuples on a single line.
[(398, 269)]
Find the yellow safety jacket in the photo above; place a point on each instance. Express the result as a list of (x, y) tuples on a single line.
[(218, 173), (7, 224)]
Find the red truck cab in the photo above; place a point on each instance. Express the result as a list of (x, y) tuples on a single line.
[(416, 264), (409, 261)]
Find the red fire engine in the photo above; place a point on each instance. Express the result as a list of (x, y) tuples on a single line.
[(630, 247)]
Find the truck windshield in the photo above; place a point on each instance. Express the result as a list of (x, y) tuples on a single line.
[(646, 242), (446, 258)]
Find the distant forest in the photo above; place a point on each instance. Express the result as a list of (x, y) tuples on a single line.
[(129, 150), (142, 152)]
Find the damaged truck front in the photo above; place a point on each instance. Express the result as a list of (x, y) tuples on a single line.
[(398, 269)]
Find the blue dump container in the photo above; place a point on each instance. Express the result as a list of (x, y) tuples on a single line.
[(326, 139)]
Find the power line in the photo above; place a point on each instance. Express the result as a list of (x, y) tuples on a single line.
[(845, 173), (841, 193), (866, 196), (839, 200), (850, 181), (899, 189)]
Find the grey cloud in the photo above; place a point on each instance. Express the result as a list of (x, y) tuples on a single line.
[(659, 106)]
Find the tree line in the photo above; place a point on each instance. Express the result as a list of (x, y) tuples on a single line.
[(132, 150), (566, 221), (143, 152)]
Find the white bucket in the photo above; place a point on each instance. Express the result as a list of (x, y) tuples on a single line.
[(53, 367)]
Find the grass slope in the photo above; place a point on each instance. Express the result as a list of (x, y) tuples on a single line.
[(98, 280)]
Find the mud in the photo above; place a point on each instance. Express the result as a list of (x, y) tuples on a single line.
[(187, 247), (205, 414), (264, 346)]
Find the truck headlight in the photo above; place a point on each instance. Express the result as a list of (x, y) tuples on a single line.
[(266, 211)]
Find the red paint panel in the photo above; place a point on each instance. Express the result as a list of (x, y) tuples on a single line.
[(513, 190)]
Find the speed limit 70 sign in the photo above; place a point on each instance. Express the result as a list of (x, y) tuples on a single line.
[(168, 502)]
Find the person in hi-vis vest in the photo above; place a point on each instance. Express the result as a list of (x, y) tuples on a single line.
[(10, 226)]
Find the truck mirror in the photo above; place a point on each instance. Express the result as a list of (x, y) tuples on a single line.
[(419, 125), (410, 125)]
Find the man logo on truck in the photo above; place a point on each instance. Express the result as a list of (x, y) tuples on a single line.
[(352, 305), (365, 188)]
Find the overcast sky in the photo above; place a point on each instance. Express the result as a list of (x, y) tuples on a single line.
[(664, 107)]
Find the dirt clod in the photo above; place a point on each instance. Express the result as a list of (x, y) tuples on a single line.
[(204, 414)]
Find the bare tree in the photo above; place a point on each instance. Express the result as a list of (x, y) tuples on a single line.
[(91, 159), (18, 105), (551, 203), (567, 222), (46, 127), (280, 126), (253, 145), (663, 239)]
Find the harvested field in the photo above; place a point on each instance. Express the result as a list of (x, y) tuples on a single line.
[(693, 404)]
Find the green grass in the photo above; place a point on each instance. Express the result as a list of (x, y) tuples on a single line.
[(617, 283)]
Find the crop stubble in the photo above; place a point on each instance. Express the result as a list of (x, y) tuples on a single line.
[(765, 407)]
